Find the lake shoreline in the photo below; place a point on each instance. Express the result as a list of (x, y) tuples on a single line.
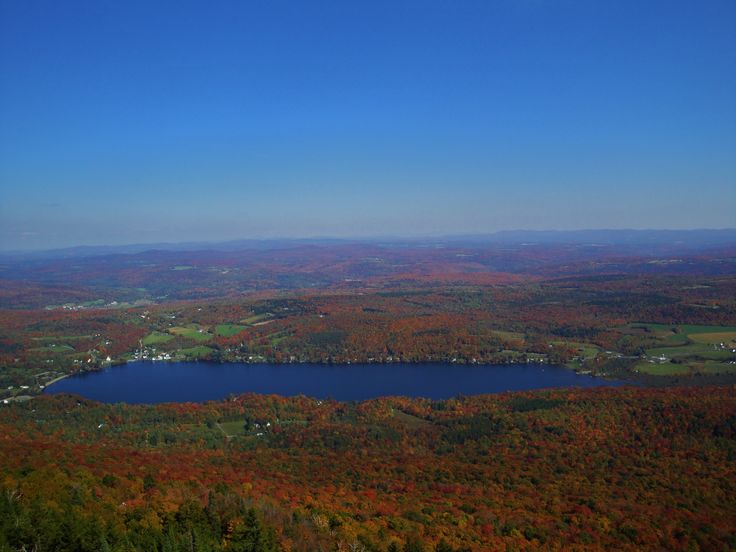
[(147, 381), (56, 379)]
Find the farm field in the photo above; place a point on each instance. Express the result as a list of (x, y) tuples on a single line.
[(689, 349), (200, 352), (724, 335), (662, 369), (157, 338), (229, 330), (232, 428), (192, 331)]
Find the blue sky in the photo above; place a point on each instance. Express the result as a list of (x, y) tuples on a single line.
[(130, 121)]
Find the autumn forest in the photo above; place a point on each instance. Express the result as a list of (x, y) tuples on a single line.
[(649, 465)]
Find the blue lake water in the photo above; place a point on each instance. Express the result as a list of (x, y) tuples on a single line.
[(155, 382)]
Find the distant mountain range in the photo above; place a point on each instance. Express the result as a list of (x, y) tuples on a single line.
[(684, 240), (691, 238)]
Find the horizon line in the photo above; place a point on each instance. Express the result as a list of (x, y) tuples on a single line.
[(356, 238)]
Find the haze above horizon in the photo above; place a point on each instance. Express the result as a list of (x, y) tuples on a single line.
[(174, 122)]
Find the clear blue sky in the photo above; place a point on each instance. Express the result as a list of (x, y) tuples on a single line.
[(155, 121)]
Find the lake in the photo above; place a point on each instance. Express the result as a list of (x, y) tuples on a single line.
[(156, 382)]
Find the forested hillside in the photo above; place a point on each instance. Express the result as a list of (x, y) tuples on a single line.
[(630, 469)]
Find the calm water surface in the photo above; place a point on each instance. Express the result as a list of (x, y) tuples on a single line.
[(155, 382)]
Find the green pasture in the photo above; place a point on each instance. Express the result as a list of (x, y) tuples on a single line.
[(53, 348), (664, 369), (61, 338), (690, 349), (94, 303), (157, 338), (232, 429), (694, 329), (695, 347), (713, 367), (255, 318), (680, 329), (229, 330), (192, 331), (725, 337), (700, 350), (200, 351), (508, 336)]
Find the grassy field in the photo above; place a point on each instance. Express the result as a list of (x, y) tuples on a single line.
[(192, 331), (157, 338), (232, 429), (727, 337), (61, 338), (712, 367), (691, 329), (508, 336), (664, 369), (700, 350), (195, 352), (255, 318), (53, 348), (94, 303), (688, 330), (229, 330), (689, 348), (695, 348)]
